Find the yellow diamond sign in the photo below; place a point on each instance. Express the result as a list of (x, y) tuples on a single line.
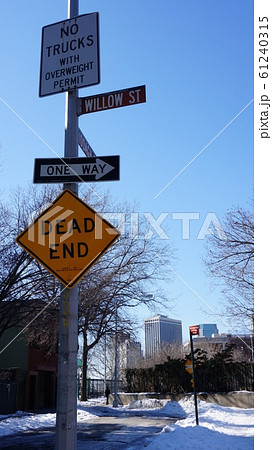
[(189, 366), (68, 238)]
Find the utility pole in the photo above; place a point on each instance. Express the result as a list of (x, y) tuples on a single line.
[(66, 421)]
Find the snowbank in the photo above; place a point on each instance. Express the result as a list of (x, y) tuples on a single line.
[(147, 403), (220, 428), (161, 408)]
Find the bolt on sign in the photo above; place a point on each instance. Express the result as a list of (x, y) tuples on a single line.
[(70, 55), (68, 238)]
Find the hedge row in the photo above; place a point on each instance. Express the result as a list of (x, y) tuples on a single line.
[(217, 374)]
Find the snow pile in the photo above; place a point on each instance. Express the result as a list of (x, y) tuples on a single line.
[(220, 428), (160, 408), (21, 422), (147, 403)]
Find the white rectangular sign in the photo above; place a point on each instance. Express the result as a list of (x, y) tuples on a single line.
[(70, 55), (55, 170)]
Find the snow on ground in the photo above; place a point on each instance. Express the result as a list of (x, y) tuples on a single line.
[(220, 428), (21, 421)]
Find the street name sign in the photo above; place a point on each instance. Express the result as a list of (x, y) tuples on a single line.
[(84, 145), (111, 100), (70, 55), (66, 170), (68, 238)]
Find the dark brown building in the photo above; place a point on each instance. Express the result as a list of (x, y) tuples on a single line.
[(27, 375)]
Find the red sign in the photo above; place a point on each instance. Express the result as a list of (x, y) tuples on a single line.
[(111, 100), (194, 330)]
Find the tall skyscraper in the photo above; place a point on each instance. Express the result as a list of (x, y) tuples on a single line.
[(207, 329), (160, 330)]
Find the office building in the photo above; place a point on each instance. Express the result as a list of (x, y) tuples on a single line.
[(243, 345), (129, 354), (207, 329), (159, 331)]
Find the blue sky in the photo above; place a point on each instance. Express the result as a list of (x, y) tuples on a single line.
[(196, 60)]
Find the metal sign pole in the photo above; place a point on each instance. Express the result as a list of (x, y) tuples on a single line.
[(194, 378), (66, 421)]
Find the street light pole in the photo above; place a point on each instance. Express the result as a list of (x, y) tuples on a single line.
[(115, 401), (105, 363)]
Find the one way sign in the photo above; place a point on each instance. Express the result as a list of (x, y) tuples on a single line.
[(62, 170)]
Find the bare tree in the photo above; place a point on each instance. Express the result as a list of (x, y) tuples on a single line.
[(22, 280), (124, 278), (121, 280), (229, 260), (166, 351)]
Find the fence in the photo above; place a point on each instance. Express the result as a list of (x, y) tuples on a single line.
[(96, 387)]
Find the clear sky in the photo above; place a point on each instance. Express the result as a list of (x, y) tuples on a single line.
[(196, 60)]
